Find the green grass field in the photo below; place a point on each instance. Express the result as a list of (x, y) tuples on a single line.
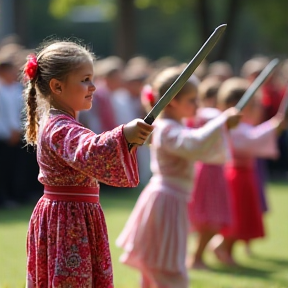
[(268, 267)]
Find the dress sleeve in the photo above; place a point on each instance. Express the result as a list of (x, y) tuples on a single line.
[(207, 144), (105, 156), (256, 141)]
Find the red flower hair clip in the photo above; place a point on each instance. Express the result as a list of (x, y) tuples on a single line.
[(147, 95), (31, 67)]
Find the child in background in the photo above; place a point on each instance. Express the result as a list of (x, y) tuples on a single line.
[(248, 142), (155, 235), (208, 209), (67, 241), (250, 71), (11, 105)]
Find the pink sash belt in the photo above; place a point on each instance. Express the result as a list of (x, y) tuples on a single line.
[(72, 193)]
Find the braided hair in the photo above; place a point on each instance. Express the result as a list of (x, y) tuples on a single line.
[(54, 61)]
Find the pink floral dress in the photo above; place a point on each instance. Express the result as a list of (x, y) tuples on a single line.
[(67, 242)]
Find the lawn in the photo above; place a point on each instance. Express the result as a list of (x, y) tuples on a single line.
[(267, 267)]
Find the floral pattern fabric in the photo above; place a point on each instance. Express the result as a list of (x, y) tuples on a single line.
[(67, 242)]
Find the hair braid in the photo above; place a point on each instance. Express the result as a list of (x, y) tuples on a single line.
[(32, 121), (54, 61)]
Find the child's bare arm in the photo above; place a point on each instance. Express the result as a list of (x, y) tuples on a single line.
[(281, 122), (233, 117)]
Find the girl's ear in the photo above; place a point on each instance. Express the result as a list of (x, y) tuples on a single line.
[(173, 103), (55, 86)]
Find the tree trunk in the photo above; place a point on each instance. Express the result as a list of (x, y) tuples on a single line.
[(6, 18), (203, 10), (203, 19), (125, 30), (232, 11), (20, 22)]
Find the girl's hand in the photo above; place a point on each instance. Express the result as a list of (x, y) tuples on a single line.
[(233, 117), (137, 131), (281, 122)]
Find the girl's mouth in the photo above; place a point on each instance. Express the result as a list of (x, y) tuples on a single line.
[(89, 97)]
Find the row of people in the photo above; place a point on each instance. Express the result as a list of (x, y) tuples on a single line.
[(237, 189), (73, 160), (220, 197), (118, 94), (18, 169)]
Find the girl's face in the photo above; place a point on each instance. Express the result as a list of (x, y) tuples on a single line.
[(76, 92), (186, 105)]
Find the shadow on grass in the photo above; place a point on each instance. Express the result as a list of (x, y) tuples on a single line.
[(283, 263), (242, 271), (122, 198), (20, 214), (275, 266), (278, 184)]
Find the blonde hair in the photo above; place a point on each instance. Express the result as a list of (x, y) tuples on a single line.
[(254, 66), (55, 60), (208, 88), (221, 69), (231, 91), (164, 80)]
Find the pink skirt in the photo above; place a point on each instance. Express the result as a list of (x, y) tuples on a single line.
[(155, 235), (67, 242), (209, 207)]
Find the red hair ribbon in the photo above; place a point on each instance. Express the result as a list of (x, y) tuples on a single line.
[(31, 67)]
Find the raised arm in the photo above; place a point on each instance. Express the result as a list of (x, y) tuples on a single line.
[(105, 156), (207, 144), (258, 141)]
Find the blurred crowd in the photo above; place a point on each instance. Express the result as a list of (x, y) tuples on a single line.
[(117, 100)]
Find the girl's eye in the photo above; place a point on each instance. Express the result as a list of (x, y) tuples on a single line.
[(86, 79)]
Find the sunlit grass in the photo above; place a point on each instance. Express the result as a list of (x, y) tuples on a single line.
[(267, 268)]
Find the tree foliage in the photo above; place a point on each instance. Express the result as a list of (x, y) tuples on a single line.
[(166, 6), (60, 8), (252, 25), (273, 20)]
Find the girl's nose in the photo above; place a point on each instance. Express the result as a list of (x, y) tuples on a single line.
[(92, 87)]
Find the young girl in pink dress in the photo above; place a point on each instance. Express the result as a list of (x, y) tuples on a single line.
[(155, 236), (67, 242), (248, 142), (208, 209)]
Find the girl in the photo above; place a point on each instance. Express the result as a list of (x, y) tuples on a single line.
[(248, 142), (67, 243), (155, 236), (208, 209)]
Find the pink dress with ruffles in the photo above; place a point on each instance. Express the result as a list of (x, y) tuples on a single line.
[(155, 235), (67, 242)]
